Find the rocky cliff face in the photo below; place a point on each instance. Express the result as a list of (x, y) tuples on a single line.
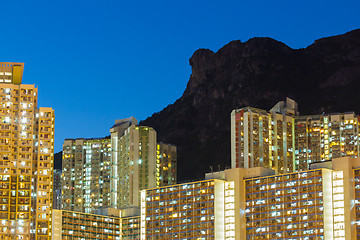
[(324, 77)]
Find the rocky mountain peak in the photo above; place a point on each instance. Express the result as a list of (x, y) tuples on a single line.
[(325, 76)]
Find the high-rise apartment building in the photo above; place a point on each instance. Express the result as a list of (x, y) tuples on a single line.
[(26, 158), (99, 173), (57, 189), (286, 142), (166, 164), (326, 136), (86, 174), (133, 162)]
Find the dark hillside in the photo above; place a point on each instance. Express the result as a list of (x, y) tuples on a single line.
[(324, 77)]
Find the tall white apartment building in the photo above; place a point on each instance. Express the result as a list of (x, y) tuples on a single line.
[(133, 162)]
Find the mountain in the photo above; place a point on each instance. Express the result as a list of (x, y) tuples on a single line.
[(323, 77)]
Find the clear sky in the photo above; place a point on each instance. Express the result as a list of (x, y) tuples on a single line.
[(97, 61)]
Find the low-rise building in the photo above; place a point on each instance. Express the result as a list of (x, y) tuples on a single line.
[(70, 225), (256, 203), (236, 204), (108, 223)]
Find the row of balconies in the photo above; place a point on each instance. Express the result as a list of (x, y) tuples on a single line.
[(14, 201), (22, 91), (179, 201), (285, 190), (283, 214), (285, 178), (80, 218), (88, 236), (179, 190), (318, 219), (287, 234), (208, 209), (180, 234), (90, 227), (178, 225)]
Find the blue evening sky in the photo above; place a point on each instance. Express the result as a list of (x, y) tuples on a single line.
[(97, 61)]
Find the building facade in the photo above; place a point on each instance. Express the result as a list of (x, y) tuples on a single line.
[(57, 189), (107, 223), (237, 204), (286, 142), (256, 203), (26, 158), (357, 200), (86, 174), (166, 164), (193, 210), (110, 172), (130, 228), (133, 162), (288, 206), (70, 225)]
